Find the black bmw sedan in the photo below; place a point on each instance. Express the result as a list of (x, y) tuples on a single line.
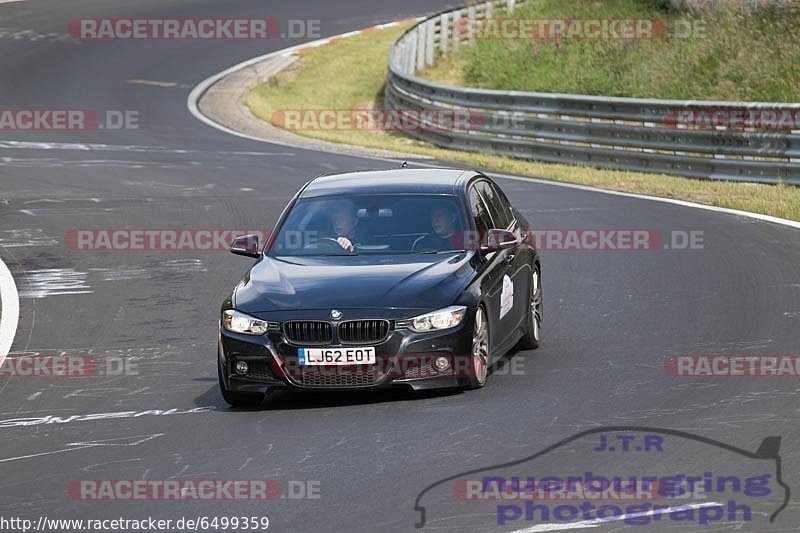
[(395, 278)]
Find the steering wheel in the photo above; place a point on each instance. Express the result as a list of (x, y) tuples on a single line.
[(325, 244), (417, 241)]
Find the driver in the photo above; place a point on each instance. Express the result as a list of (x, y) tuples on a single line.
[(443, 222), (344, 222)]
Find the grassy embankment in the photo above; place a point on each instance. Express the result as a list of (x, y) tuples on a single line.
[(350, 73)]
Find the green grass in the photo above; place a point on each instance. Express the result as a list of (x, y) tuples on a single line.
[(742, 55), (350, 74)]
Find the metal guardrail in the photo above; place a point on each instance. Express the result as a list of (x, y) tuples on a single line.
[(609, 132)]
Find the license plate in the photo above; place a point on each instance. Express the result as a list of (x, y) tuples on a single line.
[(336, 356)]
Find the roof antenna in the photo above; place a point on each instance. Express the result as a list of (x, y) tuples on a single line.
[(404, 165)]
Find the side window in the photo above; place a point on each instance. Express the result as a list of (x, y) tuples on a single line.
[(503, 203), (497, 203), (483, 222)]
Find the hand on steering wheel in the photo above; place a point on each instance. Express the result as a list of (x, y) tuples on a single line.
[(326, 245), (345, 243)]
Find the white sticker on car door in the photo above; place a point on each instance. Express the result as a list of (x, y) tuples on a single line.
[(506, 296)]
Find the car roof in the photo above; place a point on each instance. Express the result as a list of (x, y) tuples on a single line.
[(403, 180)]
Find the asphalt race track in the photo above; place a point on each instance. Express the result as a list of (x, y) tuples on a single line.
[(611, 317)]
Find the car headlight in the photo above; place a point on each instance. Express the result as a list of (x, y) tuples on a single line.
[(446, 318), (242, 323)]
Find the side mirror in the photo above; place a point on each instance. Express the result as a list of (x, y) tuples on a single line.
[(246, 245), (499, 239)]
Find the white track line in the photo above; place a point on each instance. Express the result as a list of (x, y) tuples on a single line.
[(600, 521), (197, 93), (9, 315)]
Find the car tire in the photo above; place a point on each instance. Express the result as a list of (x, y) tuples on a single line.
[(237, 399), (479, 356), (533, 324)]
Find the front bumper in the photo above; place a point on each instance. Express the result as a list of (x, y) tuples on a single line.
[(403, 359)]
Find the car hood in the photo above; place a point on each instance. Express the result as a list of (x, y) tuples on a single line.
[(391, 281)]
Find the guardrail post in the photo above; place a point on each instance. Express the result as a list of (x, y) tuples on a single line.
[(456, 30), (471, 17), (404, 56), (430, 42), (444, 33), (420, 61), (411, 67)]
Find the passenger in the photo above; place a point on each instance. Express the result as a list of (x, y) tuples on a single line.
[(443, 223)]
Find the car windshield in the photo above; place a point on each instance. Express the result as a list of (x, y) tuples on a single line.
[(371, 224)]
